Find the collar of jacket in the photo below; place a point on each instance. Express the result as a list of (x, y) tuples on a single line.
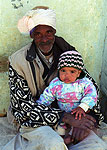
[(31, 53)]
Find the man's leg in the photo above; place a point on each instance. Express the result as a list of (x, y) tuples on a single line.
[(43, 138), (92, 142)]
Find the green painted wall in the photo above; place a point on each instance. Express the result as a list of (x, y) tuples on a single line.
[(81, 22)]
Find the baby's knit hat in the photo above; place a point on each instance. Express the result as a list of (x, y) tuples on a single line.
[(71, 59)]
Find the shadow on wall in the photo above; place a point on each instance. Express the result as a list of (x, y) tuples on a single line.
[(103, 99), (4, 63), (4, 93)]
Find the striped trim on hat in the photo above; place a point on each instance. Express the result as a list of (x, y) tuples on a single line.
[(71, 59)]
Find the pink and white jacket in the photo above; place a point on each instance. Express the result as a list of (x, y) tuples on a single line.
[(81, 93)]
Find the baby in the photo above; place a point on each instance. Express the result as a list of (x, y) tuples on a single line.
[(74, 92)]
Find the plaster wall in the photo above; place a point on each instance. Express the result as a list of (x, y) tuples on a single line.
[(103, 83), (82, 23)]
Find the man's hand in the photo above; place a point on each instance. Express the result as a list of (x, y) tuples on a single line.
[(79, 112), (86, 123), (75, 135), (78, 135)]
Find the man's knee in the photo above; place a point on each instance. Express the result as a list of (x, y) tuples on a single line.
[(92, 142)]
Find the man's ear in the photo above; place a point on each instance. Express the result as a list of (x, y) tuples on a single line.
[(31, 35), (54, 31)]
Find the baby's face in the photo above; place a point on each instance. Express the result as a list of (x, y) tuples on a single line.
[(69, 74)]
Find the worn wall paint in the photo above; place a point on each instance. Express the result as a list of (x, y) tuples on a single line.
[(82, 23)]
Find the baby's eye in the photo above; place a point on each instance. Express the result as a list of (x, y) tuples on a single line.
[(62, 70), (72, 71)]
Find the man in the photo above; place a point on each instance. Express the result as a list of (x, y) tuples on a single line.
[(30, 71)]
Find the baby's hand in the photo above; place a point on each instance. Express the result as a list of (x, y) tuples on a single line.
[(79, 112)]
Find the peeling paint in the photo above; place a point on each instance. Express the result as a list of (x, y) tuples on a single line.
[(17, 6), (18, 3)]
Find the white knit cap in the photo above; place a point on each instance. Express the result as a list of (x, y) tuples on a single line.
[(37, 17)]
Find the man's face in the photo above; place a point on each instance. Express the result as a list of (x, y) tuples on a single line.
[(44, 37)]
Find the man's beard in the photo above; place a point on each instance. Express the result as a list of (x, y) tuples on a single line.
[(48, 53), (46, 43)]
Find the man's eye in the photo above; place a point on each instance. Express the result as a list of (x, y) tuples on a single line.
[(49, 32), (37, 34)]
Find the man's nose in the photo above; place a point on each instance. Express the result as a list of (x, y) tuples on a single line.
[(44, 38)]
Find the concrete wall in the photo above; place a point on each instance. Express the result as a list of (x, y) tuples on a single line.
[(103, 84), (104, 68), (81, 23)]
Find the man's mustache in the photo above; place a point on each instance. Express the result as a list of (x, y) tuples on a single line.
[(45, 43)]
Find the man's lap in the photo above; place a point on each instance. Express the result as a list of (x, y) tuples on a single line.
[(46, 138), (42, 138)]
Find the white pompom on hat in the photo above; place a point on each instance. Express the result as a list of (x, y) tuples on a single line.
[(37, 17)]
